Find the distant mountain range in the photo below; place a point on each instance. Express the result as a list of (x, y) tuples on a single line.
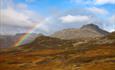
[(49, 53), (10, 40), (47, 42), (6, 41), (88, 31)]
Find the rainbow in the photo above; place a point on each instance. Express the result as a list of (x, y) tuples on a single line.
[(28, 33), (24, 37)]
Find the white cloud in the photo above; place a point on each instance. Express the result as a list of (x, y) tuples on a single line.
[(105, 2), (17, 17), (17, 14), (5, 3), (112, 19), (73, 19), (21, 6), (11, 17), (110, 23), (98, 10)]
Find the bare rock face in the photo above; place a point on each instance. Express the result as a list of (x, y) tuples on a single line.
[(94, 28), (85, 32)]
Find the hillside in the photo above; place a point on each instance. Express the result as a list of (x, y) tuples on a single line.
[(88, 31), (30, 38), (7, 41), (45, 42), (85, 56)]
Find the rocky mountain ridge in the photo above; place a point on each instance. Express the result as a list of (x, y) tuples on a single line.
[(88, 31)]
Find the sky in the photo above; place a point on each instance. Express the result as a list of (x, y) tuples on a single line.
[(49, 16)]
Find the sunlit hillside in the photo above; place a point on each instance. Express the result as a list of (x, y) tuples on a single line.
[(86, 56)]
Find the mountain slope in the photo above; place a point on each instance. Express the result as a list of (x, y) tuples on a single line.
[(92, 57), (9, 40), (6, 41), (85, 32), (42, 42), (30, 38)]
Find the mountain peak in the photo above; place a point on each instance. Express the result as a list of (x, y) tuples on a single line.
[(90, 26), (88, 31)]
